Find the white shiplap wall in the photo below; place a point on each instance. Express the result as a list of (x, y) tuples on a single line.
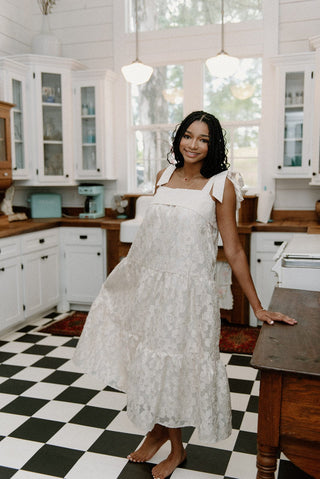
[(15, 26), (298, 21)]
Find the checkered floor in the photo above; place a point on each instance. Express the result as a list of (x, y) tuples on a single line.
[(56, 422)]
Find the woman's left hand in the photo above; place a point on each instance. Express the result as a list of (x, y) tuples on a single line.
[(270, 317)]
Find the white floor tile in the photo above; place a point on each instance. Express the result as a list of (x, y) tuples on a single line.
[(59, 411), (15, 347), (75, 436), (13, 336), (6, 398), (122, 423), (16, 452), (256, 388), (62, 352), (250, 422), (97, 466), (227, 444), (185, 474), (89, 382), (45, 390), (70, 366), (225, 357), (10, 422), (242, 466), (33, 374), (54, 340), (239, 402), (109, 400), (241, 372), (32, 475), (23, 359)]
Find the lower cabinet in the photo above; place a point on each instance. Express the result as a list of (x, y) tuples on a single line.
[(263, 248), (11, 299), (83, 265)]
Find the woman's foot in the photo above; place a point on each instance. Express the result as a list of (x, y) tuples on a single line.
[(152, 443), (166, 467)]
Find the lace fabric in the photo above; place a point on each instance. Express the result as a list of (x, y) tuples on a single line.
[(154, 329)]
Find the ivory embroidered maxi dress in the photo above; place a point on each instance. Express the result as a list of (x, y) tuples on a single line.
[(153, 331)]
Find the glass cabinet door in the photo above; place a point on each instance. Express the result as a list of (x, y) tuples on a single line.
[(18, 130), (88, 129), (53, 161), (293, 119)]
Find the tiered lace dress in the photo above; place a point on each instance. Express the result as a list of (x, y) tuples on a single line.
[(153, 331)]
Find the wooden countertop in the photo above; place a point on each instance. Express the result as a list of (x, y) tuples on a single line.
[(110, 223)]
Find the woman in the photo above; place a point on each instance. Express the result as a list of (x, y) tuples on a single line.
[(154, 329)]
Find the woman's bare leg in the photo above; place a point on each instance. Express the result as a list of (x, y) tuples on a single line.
[(175, 458), (152, 443)]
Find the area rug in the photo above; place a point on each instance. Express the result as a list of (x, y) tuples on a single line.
[(234, 339)]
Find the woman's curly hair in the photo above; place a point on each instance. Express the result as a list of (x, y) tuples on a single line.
[(216, 160)]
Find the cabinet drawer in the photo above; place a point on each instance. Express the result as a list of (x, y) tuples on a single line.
[(270, 242), (82, 236), (9, 247), (39, 240)]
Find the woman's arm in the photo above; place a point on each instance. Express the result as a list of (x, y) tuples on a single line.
[(236, 256)]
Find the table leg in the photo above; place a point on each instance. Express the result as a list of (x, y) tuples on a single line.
[(266, 461)]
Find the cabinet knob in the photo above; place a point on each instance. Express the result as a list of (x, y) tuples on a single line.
[(67, 176), (258, 260), (98, 254), (2, 269), (98, 169), (5, 173), (41, 240), (15, 168), (279, 167)]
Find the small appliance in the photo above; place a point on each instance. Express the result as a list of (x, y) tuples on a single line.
[(94, 202), (45, 205)]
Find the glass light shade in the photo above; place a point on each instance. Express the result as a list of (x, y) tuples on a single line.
[(222, 65), (137, 73), (243, 91)]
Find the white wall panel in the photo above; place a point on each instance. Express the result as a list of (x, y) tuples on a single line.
[(15, 26)]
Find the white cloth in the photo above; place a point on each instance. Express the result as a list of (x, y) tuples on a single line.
[(154, 329)]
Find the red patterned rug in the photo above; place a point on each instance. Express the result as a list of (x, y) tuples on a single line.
[(234, 339)]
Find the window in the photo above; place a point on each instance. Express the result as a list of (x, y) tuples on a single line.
[(157, 107), (236, 102), (163, 14)]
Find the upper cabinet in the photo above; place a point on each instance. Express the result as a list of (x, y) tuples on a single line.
[(68, 135), (13, 89), (93, 122), (294, 128), (5, 146)]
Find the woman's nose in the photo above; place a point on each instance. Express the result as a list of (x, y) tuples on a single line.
[(193, 143)]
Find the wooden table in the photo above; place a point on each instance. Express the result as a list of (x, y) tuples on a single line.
[(289, 401)]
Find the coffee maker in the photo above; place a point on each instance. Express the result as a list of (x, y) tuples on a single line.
[(94, 202)]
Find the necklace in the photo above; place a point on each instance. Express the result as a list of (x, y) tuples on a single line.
[(190, 178)]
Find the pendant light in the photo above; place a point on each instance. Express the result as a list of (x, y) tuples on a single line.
[(136, 72), (222, 65)]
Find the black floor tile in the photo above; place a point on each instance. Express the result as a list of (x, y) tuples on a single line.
[(237, 417), (24, 405), (30, 338), (243, 386), (287, 470), (206, 459), (7, 472), (109, 388), (237, 360), (26, 329), (15, 386), (62, 377), (116, 443), (39, 349), (39, 430), (137, 471), (187, 433), (72, 343), (94, 417), (8, 370), (52, 315), (77, 395), (246, 442), (53, 460), (2, 343), (5, 356), (253, 404), (50, 362)]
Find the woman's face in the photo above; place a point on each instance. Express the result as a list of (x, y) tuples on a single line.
[(194, 143)]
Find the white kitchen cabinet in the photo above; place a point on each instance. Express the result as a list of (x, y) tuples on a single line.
[(11, 300), (93, 110), (263, 248), (13, 89), (83, 265), (50, 108), (294, 125), (40, 260)]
